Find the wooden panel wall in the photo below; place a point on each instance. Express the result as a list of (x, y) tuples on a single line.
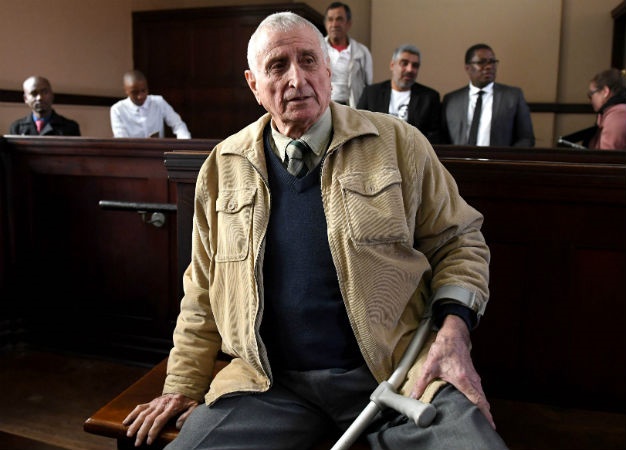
[(555, 222), (79, 276), (196, 59)]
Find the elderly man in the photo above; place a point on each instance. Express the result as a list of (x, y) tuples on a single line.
[(312, 268), (43, 120)]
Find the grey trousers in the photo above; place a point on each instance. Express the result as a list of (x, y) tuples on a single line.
[(303, 407)]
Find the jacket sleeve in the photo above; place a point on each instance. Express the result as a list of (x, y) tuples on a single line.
[(613, 134), (433, 118), (196, 338), (369, 66), (448, 232), (363, 100), (444, 132), (524, 135)]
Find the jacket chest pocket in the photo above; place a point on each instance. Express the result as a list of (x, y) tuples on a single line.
[(374, 207), (234, 221)]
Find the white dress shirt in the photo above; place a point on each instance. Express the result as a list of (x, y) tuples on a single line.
[(484, 128), (130, 120)]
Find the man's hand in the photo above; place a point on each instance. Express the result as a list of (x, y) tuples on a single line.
[(449, 359), (148, 419)]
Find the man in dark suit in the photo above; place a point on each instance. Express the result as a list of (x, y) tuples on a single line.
[(504, 117), (43, 120), (403, 97)]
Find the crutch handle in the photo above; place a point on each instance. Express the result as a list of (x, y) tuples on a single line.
[(421, 413)]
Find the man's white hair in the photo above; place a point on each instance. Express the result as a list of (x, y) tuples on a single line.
[(283, 22)]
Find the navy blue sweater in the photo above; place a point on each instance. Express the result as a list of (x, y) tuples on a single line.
[(305, 325)]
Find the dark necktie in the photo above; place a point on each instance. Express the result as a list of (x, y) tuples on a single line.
[(39, 123), (473, 133), (296, 150)]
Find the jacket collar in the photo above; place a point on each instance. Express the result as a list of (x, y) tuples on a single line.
[(348, 124)]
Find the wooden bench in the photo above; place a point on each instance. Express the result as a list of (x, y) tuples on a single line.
[(522, 425), (107, 421)]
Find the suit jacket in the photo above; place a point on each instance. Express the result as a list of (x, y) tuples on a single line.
[(511, 125), (424, 106), (56, 126)]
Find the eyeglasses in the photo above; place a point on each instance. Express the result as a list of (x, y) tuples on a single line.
[(590, 93), (485, 62)]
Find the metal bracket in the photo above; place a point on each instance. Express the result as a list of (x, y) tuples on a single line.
[(156, 210)]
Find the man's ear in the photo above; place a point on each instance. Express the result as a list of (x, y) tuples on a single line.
[(252, 84)]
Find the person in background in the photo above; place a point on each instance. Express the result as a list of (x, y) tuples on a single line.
[(142, 115), (402, 96), (607, 93), (504, 117), (321, 233), (351, 61), (43, 119)]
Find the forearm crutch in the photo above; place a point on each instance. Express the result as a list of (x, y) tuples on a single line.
[(385, 396)]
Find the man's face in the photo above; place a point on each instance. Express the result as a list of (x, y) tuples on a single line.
[(404, 71), (291, 79), (137, 91), (337, 25), (483, 67), (38, 96)]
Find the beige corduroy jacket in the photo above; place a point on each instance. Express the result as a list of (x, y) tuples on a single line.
[(398, 232)]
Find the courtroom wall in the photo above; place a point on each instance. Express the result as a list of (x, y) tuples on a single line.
[(550, 48)]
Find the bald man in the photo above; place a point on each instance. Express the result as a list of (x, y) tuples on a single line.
[(43, 120), (141, 115)]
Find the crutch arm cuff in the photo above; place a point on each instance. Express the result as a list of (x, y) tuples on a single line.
[(460, 296)]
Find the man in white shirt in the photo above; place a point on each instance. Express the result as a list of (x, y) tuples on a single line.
[(141, 115), (351, 61)]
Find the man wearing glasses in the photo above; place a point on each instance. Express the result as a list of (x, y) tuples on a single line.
[(486, 113)]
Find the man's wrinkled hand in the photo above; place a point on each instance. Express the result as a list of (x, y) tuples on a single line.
[(449, 360), (148, 419)]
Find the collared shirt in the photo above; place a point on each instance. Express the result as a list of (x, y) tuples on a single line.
[(484, 129), (340, 80), (317, 138), (45, 119), (130, 120)]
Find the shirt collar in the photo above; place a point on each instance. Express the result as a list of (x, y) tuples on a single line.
[(317, 137), (46, 119), (143, 107), (487, 89)]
